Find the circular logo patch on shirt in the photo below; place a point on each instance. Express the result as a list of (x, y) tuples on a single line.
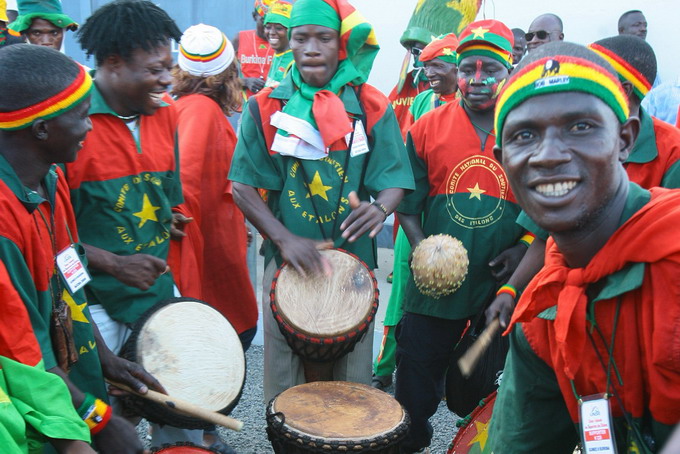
[(476, 191)]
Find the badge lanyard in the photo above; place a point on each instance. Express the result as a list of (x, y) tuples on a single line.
[(594, 403)]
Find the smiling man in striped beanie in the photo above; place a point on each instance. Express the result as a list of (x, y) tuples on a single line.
[(322, 143), (593, 331)]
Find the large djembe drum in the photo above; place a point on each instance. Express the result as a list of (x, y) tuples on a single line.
[(323, 317), (472, 434), (335, 418), (194, 352)]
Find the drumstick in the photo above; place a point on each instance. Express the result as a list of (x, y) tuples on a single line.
[(469, 360), (185, 407)]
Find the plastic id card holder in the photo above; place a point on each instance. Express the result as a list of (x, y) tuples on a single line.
[(72, 269), (597, 432)]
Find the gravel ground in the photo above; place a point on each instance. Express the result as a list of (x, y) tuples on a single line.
[(251, 410)]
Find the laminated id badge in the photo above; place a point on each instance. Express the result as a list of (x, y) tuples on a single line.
[(597, 432), (72, 269)]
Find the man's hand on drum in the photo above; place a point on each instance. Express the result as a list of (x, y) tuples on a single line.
[(139, 270), (369, 217), (303, 254), (119, 436), (119, 370)]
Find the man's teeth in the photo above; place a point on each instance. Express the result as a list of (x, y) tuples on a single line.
[(434, 83), (555, 190), (156, 97)]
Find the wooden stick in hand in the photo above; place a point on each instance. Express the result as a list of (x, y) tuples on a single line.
[(187, 408), (469, 360)]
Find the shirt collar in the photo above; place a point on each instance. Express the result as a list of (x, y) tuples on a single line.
[(285, 90), (645, 146), (28, 197)]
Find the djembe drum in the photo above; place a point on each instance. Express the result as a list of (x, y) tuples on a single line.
[(335, 418), (472, 428), (194, 352), (323, 317)]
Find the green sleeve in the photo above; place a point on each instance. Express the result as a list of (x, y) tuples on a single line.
[(530, 414), (38, 304), (174, 191), (414, 203), (671, 179), (528, 224), (43, 401), (252, 164), (387, 166)]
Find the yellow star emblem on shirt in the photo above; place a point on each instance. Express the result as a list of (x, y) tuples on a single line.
[(476, 192), (482, 434), (447, 51), (316, 187), (148, 212), (76, 309), (479, 32)]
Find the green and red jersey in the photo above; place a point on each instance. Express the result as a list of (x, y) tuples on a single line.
[(635, 276), (122, 192), (254, 56), (402, 101), (292, 183), (462, 191), (279, 68)]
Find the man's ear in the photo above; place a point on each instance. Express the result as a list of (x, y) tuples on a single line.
[(114, 62), (498, 153), (628, 134), (40, 130), (561, 36)]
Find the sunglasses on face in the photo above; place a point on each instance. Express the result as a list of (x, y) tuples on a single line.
[(541, 34)]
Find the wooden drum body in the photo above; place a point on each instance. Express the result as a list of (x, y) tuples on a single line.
[(472, 434), (334, 418), (323, 317), (194, 352)]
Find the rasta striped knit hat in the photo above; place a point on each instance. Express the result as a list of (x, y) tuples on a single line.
[(49, 10), (629, 69), (558, 74), (488, 38), (279, 13), (262, 6), (51, 107), (204, 51), (443, 48)]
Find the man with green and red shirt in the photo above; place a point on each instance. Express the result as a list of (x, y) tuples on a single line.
[(594, 335), (318, 189), (125, 181), (254, 55), (43, 119), (461, 190), (439, 58)]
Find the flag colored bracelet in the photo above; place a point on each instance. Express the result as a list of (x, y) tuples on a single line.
[(509, 289), (95, 412), (527, 239), (381, 207)]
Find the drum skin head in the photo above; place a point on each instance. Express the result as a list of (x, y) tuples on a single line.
[(194, 352), (338, 410), (326, 306)]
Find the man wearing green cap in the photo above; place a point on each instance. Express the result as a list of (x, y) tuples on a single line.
[(322, 143), (42, 22), (276, 23), (592, 337), (462, 191)]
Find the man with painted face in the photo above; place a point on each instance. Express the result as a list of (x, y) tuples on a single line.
[(461, 190), (276, 24), (596, 327), (254, 55), (323, 99), (125, 181), (544, 29), (439, 58), (42, 22)]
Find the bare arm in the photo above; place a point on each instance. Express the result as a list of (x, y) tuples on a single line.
[(137, 270), (532, 262), (411, 224)]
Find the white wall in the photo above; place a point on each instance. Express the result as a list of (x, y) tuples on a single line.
[(585, 21)]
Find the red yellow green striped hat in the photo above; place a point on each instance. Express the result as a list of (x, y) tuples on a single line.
[(489, 38), (204, 51), (558, 74), (444, 48), (279, 13), (51, 107), (262, 6), (625, 71)]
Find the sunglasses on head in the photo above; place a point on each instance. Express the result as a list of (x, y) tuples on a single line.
[(541, 34)]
